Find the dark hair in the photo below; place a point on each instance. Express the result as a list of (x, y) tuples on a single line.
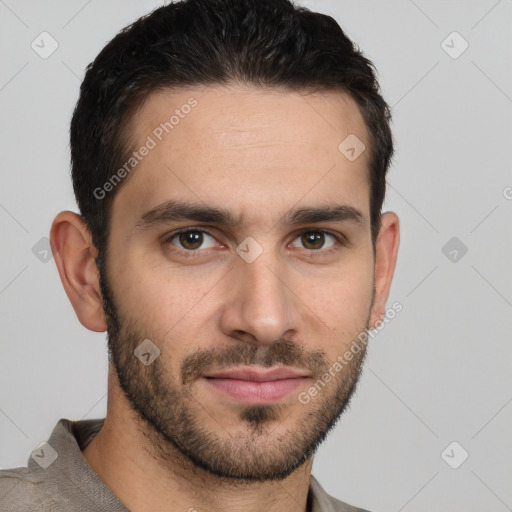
[(267, 43)]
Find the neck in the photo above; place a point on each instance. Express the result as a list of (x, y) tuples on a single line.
[(150, 482)]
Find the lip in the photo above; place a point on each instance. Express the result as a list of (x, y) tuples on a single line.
[(257, 385), (259, 374)]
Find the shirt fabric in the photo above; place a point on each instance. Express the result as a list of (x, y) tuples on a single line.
[(59, 479)]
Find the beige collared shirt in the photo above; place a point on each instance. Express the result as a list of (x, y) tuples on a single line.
[(59, 479)]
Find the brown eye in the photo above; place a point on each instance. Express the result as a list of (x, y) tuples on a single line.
[(315, 240), (192, 240)]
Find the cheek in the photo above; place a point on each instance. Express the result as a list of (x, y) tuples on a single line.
[(343, 301), (165, 303)]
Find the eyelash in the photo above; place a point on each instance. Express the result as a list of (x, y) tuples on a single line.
[(341, 241)]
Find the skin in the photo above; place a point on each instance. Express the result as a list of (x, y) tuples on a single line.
[(259, 154)]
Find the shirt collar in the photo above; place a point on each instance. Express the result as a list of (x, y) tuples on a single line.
[(69, 438)]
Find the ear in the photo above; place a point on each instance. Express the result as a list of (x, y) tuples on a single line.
[(386, 249), (74, 254)]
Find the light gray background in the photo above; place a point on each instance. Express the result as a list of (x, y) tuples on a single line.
[(439, 372)]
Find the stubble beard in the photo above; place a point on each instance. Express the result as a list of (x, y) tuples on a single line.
[(170, 416)]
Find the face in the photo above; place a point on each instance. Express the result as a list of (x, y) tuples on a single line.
[(240, 247)]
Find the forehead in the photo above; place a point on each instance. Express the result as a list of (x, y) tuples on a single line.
[(246, 149)]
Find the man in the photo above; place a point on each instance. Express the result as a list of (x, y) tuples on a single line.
[(229, 162)]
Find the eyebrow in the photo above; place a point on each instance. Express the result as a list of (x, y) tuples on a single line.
[(172, 211)]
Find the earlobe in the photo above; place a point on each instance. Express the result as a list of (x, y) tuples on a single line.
[(74, 255), (385, 262)]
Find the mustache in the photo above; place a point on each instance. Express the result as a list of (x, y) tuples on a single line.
[(281, 351)]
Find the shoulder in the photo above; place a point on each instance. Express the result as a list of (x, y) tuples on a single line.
[(324, 502), (28, 490), (341, 506), (56, 477)]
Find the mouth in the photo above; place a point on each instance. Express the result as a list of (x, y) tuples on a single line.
[(257, 385)]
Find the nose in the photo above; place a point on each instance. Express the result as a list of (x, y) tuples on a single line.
[(259, 304)]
